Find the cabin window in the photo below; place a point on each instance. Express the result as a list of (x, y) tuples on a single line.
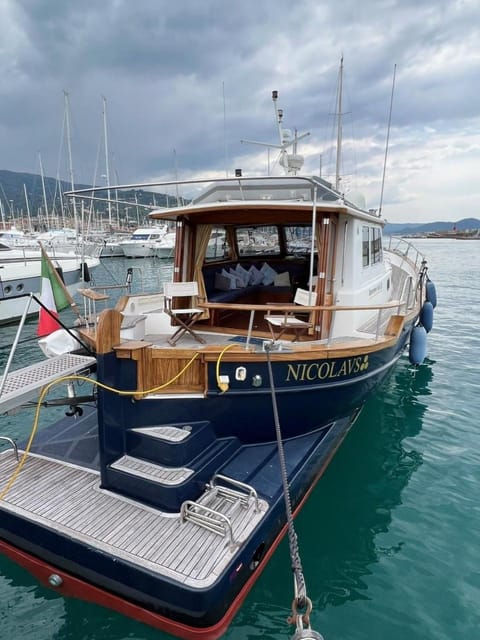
[(252, 241), (365, 246), (218, 247), (376, 246), (298, 240)]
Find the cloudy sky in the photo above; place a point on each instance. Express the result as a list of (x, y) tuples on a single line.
[(184, 81)]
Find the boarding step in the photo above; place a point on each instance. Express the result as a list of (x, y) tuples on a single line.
[(167, 432), (170, 444), (23, 385), (166, 486), (151, 471)]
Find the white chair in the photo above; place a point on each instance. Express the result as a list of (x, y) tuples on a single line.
[(288, 322), (183, 316)]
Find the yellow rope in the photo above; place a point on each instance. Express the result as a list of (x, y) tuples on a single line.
[(47, 388), (223, 386)]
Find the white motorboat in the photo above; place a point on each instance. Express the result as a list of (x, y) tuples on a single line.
[(166, 246), (112, 247), (143, 242), (20, 275)]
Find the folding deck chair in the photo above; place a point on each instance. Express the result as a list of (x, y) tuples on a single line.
[(287, 322), (185, 317)]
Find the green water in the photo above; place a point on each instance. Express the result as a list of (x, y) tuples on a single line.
[(390, 537)]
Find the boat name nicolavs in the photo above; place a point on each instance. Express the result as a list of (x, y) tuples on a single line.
[(321, 370)]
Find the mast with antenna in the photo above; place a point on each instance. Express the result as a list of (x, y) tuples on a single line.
[(291, 162), (339, 128), (387, 142)]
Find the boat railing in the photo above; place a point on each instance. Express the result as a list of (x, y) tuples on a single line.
[(407, 293), (57, 252), (18, 385), (207, 518), (290, 308), (3, 381), (241, 492), (13, 443), (298, 188), (406, 249)]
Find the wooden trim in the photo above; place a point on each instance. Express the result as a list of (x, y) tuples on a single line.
[(108, 330), (395, 325)]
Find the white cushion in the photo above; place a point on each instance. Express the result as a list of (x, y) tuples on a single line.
[(243, 273), (224, 282), (269, 274), (256, 276), (282, 279), (239, 282)]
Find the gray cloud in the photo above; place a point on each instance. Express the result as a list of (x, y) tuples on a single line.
[(171, 70)]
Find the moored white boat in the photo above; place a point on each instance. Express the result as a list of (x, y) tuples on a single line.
[(20, 275), (143, 243), (166, 247), (217, 397), (112, 247)]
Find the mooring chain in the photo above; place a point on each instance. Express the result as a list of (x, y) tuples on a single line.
[(301, 600)]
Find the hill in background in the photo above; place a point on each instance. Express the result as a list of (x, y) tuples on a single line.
[(18, 188)]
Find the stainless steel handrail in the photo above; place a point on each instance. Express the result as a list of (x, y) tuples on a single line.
[(13, 443)]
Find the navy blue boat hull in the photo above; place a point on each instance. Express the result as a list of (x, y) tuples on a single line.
[(308, 457)]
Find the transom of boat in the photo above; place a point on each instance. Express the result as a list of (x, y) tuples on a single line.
[(69, 500)]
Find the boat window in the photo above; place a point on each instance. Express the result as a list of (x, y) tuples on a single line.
[(298, 239), (365, 246), (218, 247), (376, 249), (252, 241)]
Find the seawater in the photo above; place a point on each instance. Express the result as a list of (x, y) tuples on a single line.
[(390, 537)]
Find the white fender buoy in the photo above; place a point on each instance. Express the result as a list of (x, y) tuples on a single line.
[(418, 345), (426, 316), (431, 293)]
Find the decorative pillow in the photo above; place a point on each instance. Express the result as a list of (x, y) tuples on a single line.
[(268, 274), (224, 281), (256, 276), (243, 273), (239, 283), (282, 279)]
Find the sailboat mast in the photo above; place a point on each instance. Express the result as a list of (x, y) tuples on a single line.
[(28, 208), (339, 128), (2, 213), (107, 162), (45, 204), (69, 151)]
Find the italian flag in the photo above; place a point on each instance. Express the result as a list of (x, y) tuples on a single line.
[(53, 295)]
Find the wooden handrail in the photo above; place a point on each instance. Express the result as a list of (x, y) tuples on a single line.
[(295, 307)]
